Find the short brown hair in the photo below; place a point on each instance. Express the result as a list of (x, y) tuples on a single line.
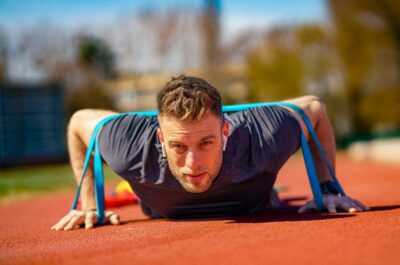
[(189, 99)]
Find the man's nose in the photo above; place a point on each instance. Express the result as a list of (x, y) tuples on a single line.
[(192, 159)]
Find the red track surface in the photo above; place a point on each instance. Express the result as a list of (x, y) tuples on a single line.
[(282, 237)]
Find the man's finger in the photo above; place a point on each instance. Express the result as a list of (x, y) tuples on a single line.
[(308, 206), (60, 225), (345, 205), (348, 205), (111, 217), (352, 210), (355, 206), (114, 219), (362, 206), (90, 219), (330, 205), (71, 224), (302, 209)]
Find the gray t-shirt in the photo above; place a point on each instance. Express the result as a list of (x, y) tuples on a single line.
[(260, 141)]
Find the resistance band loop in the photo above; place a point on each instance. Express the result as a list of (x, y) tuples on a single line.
[(308, 159)]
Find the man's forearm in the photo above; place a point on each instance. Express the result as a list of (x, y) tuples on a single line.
[(80, 129), (325, 134), (77, 150), (316, 113)]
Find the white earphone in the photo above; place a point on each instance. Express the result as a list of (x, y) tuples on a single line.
[(225, 142), (164, 153)]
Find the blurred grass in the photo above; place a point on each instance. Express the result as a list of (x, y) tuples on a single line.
[(31, 181)]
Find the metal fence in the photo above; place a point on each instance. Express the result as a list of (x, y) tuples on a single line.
[(32, 124)]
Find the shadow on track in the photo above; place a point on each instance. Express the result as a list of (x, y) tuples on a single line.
[(284, 217), (287, 212), (384, 208)]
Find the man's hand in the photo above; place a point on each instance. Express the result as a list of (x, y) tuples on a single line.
[(333, 202), (76, 218)]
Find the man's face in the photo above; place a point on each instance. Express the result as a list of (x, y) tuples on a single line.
[(194, 150)]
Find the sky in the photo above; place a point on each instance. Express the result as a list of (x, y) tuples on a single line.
[(235, 15)]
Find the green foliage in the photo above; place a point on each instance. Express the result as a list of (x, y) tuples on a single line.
[(310, 34), (35, 179), (94, 64), (93, 96), (275, 73), (95, 55), (30, 181), (288, 62), (382, 107), (368, 42), (354, 66)]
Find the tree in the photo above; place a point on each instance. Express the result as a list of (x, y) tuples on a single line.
[(92, 95), (41, 49), (94, 63), (368, 43), (274, 68), (95, 56)]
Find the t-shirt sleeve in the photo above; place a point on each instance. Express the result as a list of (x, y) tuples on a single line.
[(126, 141), (277, 135)]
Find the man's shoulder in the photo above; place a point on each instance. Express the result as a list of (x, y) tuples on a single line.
[(129, 119), (262, 137), (123, 141), (245, 116)]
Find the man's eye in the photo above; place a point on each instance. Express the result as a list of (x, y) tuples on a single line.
[(178, 147), (206, 143)]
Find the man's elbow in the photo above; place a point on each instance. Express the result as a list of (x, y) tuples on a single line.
[(315, 105)]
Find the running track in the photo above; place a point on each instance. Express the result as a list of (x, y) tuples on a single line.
[(282, 237)]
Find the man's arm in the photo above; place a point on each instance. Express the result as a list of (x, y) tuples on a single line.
[(316, 113), (80, 128)]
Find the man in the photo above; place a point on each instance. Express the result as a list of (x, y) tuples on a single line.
[(193, 161)]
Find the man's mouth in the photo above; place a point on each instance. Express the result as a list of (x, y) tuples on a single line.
[(195, 178)]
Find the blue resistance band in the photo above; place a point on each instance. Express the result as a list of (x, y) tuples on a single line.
[(308, 159)]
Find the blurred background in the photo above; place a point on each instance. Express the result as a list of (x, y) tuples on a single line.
[(60, 56)]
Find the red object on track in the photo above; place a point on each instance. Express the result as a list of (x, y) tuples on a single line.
[(118, 200)]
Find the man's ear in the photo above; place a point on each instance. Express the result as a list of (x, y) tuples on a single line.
[(225, 129), (160, 136), (225, 132)]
